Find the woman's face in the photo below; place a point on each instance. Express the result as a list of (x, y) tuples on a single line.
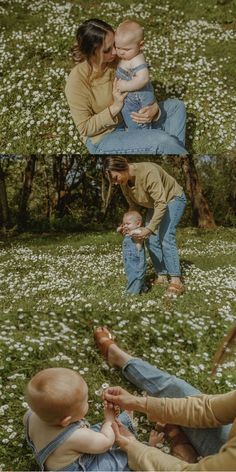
[(107, 53), (119, 178)]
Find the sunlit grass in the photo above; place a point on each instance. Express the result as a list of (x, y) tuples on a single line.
[(189, 45), (54, 290)]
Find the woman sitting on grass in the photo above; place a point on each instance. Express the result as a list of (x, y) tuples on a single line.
[(178, 402), (95, 102)]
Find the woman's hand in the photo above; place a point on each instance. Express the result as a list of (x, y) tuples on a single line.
[(122, 85), (123, 436), (146, 114), (144, 233), (118, 99), (118, 396)]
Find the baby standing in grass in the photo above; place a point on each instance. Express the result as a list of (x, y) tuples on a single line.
[(132, 72), (58, 434), (134, 257)]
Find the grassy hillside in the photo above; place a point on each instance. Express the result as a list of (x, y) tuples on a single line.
[(56, 289), (189, 45)]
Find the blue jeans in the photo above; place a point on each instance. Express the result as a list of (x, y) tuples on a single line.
[(162, 246), (167, 135), (158, 383), (135, 265), (136, 100)]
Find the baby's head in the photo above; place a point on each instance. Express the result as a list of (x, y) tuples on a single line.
[(132, 220), (58, 396), (129, 39)]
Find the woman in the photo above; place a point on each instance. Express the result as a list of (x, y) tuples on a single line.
[(147, 185), (95, 102), (179, 403)]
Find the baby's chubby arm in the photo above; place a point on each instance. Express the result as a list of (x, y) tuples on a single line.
[(85, 440)]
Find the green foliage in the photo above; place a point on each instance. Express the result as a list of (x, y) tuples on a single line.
[(66, 191)]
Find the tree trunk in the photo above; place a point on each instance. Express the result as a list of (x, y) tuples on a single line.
[(47, 185), (26, 190), (202, 216), (59, 175), (4, 209)]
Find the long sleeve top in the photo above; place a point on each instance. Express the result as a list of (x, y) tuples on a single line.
[(89, 98), (153, 188), (203, 411)]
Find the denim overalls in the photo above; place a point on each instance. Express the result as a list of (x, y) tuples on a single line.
[(137, 99), (135, 265), (112, 460)]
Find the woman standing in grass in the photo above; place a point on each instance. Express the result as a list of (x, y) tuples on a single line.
[(95, 102), (147, 185)]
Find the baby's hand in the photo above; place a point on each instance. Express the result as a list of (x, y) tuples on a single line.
[(109, 414), (122, 85), (120, 229)]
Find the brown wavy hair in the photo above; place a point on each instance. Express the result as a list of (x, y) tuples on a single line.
[(90, 35), (112, 163)]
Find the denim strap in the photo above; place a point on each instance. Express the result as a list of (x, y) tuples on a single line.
[(44, 453), (140, 67)]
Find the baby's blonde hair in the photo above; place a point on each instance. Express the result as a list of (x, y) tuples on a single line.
[(135, 215), (53, 393), (132, 29)]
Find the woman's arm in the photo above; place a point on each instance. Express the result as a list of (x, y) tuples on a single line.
[(86, 120), (141, 457), (146, 458), (202, 411)]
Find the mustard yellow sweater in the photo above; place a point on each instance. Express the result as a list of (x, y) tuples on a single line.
[(203, 411), (89, 98), (153, 188)]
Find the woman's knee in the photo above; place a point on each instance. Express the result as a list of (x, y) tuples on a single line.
[(168, 240)]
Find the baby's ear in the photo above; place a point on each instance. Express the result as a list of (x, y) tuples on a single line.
[(66, 421), (141, 45)]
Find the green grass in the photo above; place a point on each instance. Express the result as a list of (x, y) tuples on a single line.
[(55, 289), (189, 45)]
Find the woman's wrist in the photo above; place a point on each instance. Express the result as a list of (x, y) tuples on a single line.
[(140, 404), (114, 110)]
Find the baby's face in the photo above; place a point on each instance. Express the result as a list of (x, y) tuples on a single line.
[(130, 223), (126, 48)]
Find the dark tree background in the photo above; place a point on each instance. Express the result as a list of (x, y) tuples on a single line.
[(64, 192)]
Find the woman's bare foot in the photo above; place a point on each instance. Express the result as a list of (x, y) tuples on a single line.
[(155, 438), (113, 355), (160, 280), (180, 445)]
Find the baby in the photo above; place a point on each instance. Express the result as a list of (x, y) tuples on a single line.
[(55, 428), (134, 257), (132, 71), (132, 222)]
